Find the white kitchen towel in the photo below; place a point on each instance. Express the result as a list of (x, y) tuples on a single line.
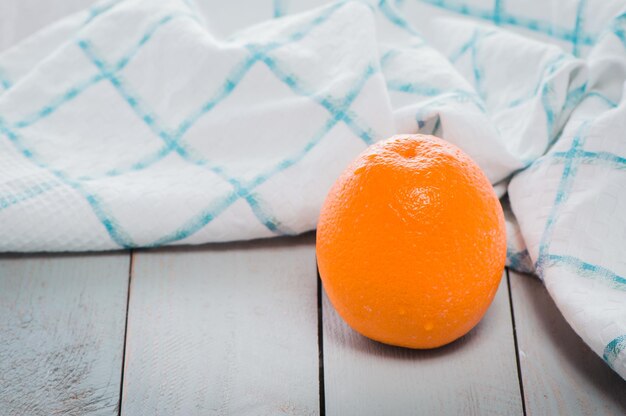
[(141, 123)]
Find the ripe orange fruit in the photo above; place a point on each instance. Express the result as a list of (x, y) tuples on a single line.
[(411, 242)]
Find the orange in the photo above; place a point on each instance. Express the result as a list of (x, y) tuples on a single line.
[(411, 242)]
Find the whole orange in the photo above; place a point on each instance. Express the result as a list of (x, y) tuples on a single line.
[(411, 242)]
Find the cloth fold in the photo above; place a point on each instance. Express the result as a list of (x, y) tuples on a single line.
[(141, 123)]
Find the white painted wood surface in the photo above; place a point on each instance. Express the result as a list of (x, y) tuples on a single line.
[(62, 321), (560, 374), (224, 329), (233, 329), (477, 375)]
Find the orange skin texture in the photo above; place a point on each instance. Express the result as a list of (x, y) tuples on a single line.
[(411, 242)]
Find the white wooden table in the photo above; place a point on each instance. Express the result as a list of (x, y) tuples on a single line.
[(245, 328)]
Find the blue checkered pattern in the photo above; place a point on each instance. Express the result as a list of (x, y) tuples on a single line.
[(571, 160), (613, 349), (498, 14), (338, 109)]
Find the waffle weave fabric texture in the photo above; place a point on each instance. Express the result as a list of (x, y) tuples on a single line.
[(142, 123)]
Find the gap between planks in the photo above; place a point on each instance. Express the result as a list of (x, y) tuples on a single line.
[(475, 375), (61, 324), (320, 341), (517, 356), (223, 329), (130, 277), (560, 373)]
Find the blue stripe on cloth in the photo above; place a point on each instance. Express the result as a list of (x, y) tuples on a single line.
[(5, 83), (149, 34), (231, 82), (603, 98), (578, 27), (242, 68), (197, 222), (463, 48), (595, 158), (461, 8), (618, 28), (414, 88), (74, 91), (547, 96), (153, 123), (208, 214), (135, 103), (304, 30), (335, 118), (613, 349), (143, 163), (52, 106), (227, 87), (113, 229), (551, 67), (391, 14), (393, 52), (589, 270), (574, 97), (193, 6), (459, 96), (99, 8), (471, 46), (441, 94), (562, 193), (477, 70), (365, 133), (28, 193), (498, 10), (262, 213), (534, 25), (279, 8), (388, 56)]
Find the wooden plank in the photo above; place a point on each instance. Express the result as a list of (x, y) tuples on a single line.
[(560, 374), (62, 321), (224, 329), (475, 375)]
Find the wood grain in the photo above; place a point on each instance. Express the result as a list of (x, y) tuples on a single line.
[(224, 329), (475, 375), (62, 321), (560, 374)]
